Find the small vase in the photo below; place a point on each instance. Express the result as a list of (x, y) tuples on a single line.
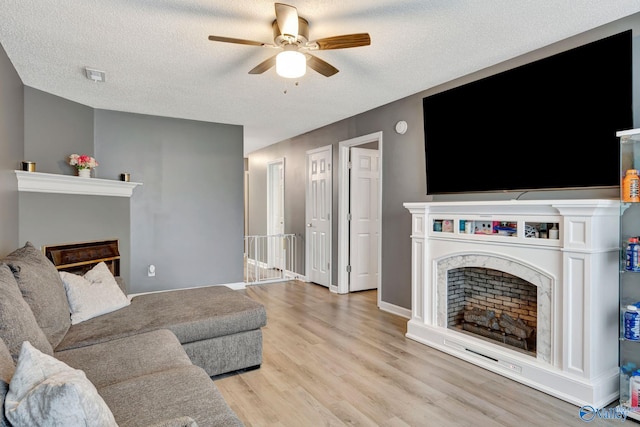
[(84, 173)]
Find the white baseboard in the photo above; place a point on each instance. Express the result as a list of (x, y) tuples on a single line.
[(394, 309), (295, 276)]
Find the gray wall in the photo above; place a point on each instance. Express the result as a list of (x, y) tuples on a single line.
[(293, 150), (54, 128), (11, 151), (187, 217), (67, 218), (403, 166), (47, 128), (401, 159)]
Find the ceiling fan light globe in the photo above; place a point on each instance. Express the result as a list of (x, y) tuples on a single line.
[(291, 64)]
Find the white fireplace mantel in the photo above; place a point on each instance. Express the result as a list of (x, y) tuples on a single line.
[(576, 277), (65, 184)]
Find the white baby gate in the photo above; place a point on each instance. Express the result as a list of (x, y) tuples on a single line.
[(270, 258)]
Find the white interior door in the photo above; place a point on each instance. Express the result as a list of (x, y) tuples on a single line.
[(318, 216), (365, 217), (275, 216)]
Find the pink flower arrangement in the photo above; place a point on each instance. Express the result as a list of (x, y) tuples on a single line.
[(82, 161)]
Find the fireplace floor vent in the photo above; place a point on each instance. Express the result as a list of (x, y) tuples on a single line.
[(504, 363)]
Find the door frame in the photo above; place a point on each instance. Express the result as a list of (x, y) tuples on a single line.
[(307, 261), (343, 209), (270, 194)]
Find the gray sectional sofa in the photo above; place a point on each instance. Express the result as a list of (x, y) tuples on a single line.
[(150, 362)]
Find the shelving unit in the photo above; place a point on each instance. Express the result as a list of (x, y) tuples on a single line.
[(545, 230), (629, 281)]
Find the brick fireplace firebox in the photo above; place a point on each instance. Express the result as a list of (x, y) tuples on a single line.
[(494, 305), (567, 251)]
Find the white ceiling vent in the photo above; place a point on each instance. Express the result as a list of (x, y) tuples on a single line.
[(95, 75)]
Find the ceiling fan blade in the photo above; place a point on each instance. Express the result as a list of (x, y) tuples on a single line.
[(343, 42), (237, 41), (287, 19), (321, 66), (264, 65)]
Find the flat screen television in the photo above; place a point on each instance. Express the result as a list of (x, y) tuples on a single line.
[(549, 124)]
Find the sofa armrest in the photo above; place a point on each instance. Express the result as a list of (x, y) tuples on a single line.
[(184, 421)]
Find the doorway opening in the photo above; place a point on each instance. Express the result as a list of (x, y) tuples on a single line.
[(359, 232), (275, 213)]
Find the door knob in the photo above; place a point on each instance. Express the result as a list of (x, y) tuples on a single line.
[(309, 225)]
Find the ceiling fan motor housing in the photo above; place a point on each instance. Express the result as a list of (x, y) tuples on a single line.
[(291, 34), (301, 38)]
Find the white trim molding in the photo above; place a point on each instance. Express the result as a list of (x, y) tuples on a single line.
[(39, 182)]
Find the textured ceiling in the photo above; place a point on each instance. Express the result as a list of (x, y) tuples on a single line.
[(158, 60)]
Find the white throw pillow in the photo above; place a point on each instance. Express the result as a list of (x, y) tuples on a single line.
[(93, 294), (47, 392)]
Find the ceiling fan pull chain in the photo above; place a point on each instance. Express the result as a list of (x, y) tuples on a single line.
[(296, 84)]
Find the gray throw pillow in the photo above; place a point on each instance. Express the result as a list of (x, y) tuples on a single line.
[(7, 368), (17, 322), (43, 290)]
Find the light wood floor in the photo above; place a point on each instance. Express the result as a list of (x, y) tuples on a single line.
[(337, 360)]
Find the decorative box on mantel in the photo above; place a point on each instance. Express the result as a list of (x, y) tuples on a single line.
[(66, 184), (552, 264)]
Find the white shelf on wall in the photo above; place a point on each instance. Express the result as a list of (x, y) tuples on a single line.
[(39, 182)]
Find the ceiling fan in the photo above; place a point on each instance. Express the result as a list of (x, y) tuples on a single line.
[(291, 35)]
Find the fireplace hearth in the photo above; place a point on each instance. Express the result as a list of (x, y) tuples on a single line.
[(537, 310)]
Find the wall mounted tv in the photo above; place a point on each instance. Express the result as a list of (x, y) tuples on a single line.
[(549, 124)]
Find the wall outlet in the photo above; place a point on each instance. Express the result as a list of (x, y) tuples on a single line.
[(151, 271)]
